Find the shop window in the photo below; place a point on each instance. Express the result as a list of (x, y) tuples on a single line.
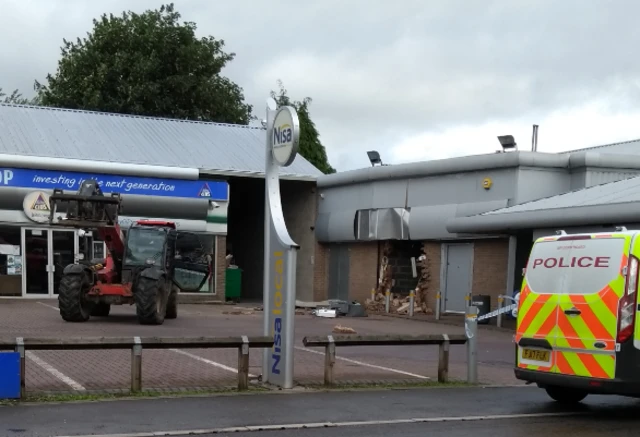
[(10, 261)]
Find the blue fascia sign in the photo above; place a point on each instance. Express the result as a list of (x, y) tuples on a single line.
[(144, 186)]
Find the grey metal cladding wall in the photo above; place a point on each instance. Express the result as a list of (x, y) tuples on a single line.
[(322, 226), (462, 188), (358, 196), (600, 176), (336, 226), (578, 179), (12, 198), (538, 183), (430, 222), (389, 194)]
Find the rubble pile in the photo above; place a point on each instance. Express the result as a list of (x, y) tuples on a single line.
[(339, 329), (399, 304)]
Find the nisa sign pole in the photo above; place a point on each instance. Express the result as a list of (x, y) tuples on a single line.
[(280, 251)]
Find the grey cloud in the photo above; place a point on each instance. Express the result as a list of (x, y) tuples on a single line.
[(380, 70)]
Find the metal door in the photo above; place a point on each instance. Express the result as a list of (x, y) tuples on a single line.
[(339, 272), (458, 276)]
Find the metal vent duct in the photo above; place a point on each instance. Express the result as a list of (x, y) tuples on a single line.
[(382, 224)]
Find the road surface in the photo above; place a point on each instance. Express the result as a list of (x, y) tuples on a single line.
[(442, 411)]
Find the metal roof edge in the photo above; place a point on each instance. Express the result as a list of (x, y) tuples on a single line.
[(144, 117), (256, 175), (586, 149), (544, 218), (606, 160), (101, 167), (445, 166)]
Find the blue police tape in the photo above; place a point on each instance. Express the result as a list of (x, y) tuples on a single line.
[(498, 311)]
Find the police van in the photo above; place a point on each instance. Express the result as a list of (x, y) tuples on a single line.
[(576, 317)]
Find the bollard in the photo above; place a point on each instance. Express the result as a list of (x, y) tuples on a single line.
[(471, 330), (411, 302), (438, 305), (329, 361), (373, 295), (243, 364), (387, 300), (23, 366), (136, 365)]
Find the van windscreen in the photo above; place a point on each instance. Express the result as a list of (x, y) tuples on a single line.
[(574, 266)]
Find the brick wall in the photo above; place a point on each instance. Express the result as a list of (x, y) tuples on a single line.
[(321, 273), (490, 261), (221, 265), (432, 250), (363, 267)]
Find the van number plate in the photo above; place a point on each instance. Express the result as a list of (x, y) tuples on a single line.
[(535, 355)]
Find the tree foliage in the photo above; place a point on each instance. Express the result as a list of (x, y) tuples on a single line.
[(146, 64), (310, 146), (16, 98)]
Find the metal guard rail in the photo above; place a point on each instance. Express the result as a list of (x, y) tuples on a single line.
[(136, 344), (332, 341)]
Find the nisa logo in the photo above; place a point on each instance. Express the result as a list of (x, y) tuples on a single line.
[(282, 135), (278, 299)]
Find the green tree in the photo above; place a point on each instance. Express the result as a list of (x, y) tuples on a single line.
[(16, 98), (310, 146), (146, 64)]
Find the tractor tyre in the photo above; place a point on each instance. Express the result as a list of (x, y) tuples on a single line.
[(172, 304), (149, 299), (101, 310), (71, 298)]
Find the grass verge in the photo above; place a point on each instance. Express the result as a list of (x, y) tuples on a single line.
[(38, 398), (388, 385)]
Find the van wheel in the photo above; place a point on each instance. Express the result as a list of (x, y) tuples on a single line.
[(566, 395)]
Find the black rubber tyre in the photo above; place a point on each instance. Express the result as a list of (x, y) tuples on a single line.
[(73, 307), (149, 298), (172, 305), (101, 310), (565, 395)]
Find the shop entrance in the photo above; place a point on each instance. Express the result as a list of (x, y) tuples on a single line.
[(46, 253)]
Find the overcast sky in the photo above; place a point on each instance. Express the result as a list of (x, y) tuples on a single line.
[(415, 80)]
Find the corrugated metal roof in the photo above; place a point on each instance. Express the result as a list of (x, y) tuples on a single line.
[(625, 191), (96, 136), (631, 147)]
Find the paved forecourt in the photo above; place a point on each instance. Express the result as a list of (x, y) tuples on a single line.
[(84, 371)]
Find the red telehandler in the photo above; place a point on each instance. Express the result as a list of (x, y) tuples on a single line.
[(139, 269)]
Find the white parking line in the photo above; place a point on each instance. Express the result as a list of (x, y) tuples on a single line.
[(211, 363), (55, 372), (297, 426), (48, 306), (360, 363)]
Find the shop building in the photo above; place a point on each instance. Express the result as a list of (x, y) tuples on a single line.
[(206, 177), (461, 213)]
